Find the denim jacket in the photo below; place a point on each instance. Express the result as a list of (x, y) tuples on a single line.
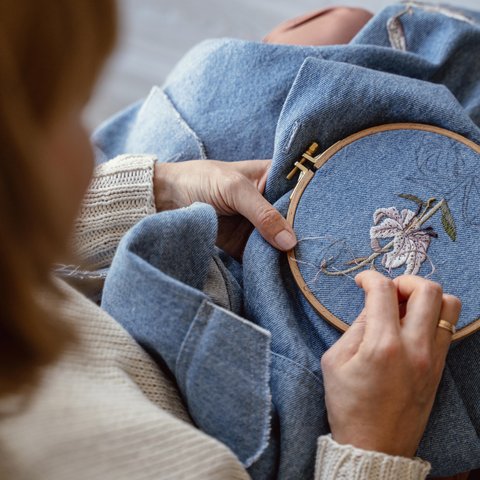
[(242, 345)]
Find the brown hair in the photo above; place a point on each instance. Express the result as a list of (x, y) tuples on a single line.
[(50, 54)]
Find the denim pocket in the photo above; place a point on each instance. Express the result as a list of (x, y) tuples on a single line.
[(152, 127), (160, 129), (222, 370), (299, 405)]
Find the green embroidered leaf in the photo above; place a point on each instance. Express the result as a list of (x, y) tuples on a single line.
[(413, 198), (448, 222)]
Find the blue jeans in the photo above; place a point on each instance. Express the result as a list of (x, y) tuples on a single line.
[(249, 370)]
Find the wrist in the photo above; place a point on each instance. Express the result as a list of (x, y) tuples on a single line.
[(347, 461), (164, 191), (375, 443)]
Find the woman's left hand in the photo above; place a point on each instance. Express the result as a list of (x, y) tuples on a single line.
[(234, 189)]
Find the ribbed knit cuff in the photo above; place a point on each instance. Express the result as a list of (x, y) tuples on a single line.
[(120, 195), (335, 461)]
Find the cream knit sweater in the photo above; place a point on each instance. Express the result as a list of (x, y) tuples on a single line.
[(105, 410)]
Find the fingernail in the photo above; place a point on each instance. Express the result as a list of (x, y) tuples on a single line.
[(285, 240)]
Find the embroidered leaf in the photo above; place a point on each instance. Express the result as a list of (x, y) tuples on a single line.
[(413, 198), (448, 222)]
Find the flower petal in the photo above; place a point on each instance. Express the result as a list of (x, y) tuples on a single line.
[(398, 256), (388, 228), (417, 244), (390, 212), (375, 244), (407, 216)]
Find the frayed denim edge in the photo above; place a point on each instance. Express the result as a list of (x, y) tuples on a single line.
[(184, 124)]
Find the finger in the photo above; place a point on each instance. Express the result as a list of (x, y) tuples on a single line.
[(381, 305), (255, 170), (250, 203), (347, 346), (450, 311), (423, 303)]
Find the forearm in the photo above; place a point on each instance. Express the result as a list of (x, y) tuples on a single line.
[(120, 195), (343, 462)]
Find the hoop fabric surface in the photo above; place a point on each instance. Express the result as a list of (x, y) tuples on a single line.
[(399, 198)]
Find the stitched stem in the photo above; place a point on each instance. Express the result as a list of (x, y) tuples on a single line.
[(427, 214)]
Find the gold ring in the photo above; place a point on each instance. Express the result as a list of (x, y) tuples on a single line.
[(447, 326)]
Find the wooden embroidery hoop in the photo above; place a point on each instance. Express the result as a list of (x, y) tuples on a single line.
[(306, 174)]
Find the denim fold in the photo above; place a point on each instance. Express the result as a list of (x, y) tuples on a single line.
[(251, 377)]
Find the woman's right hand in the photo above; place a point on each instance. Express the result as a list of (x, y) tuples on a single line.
[(381, 377)]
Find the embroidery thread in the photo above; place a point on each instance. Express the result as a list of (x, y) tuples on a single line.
[(410, 239), (450, 177)]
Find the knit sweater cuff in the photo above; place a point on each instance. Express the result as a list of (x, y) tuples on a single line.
[(120, 195), (346, 462)]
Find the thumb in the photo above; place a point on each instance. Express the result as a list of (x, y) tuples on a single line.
[(266, 219)]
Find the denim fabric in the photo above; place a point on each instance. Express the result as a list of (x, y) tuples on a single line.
[(374, 171), (154, 289), (251, 377)]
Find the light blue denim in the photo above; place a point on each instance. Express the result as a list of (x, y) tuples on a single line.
[(334, 228), (250, 373)]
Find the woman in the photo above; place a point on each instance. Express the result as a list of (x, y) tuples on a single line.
[(79, 399)]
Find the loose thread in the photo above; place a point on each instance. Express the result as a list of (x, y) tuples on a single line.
[(358, 264), (319, 268)]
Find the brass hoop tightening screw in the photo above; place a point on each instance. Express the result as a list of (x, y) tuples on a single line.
[(309, 153)]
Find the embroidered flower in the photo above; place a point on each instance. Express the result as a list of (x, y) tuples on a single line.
[(410, 244), (410, 239)]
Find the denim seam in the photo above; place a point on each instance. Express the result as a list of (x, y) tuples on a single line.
[(300, 366), (204, 312), (267, 413), (293, 134), (442, 10), (396, 32), (182, 122), (249, 323), (172, 285), (185, 347)]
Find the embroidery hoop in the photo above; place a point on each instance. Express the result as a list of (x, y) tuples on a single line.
[(306, 175)]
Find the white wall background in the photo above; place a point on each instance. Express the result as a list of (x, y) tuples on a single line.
[(156, 33)]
